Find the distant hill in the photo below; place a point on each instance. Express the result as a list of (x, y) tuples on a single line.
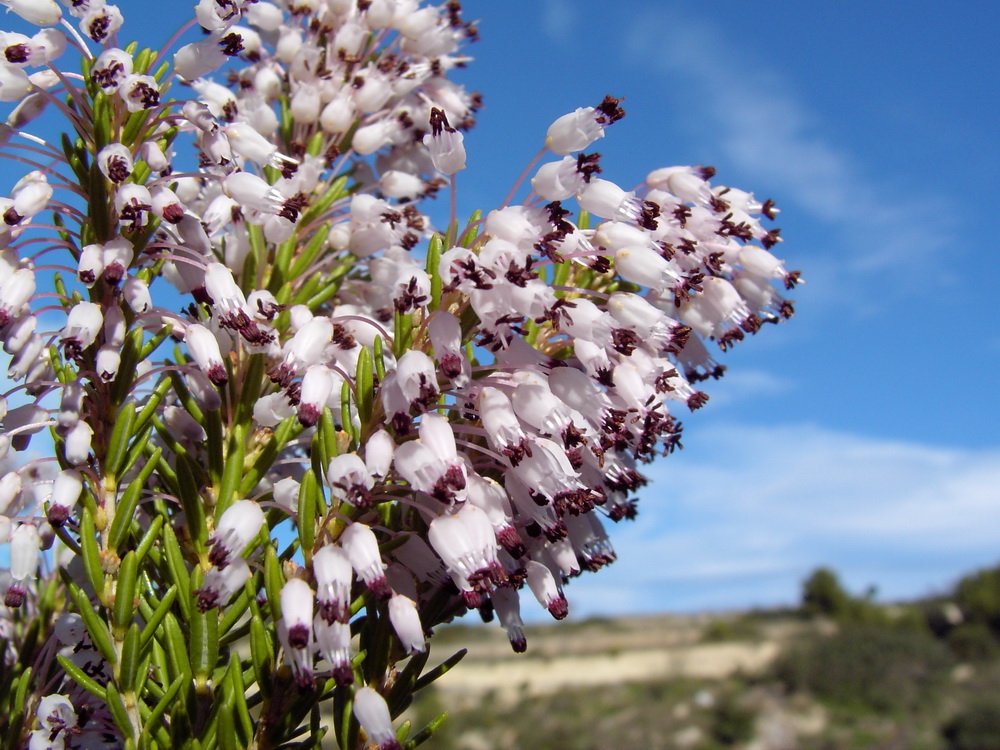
[(840, 673)]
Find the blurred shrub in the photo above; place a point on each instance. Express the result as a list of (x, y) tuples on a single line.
[(941, 616), (731, 629), (732, 722), (976, 728), (823, 595), (978, 596), (867, 667), (973, 642)]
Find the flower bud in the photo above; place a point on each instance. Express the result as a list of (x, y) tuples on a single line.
[(14, 84), (38, 12), (166, 205), (378, 453), (27, 111), (206, 394), (31, 195), (264, 15), (19, 333), (77, 444), (405, 621), (401, 185), (151, 153), (26, 420), (10, 487), (182, 426), (136, 294), (306, 104)]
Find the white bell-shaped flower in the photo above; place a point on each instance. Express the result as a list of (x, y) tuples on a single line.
[(372, 712), (10, 487), (118, 253), (317, 387), (558, 180), (66, 490), (115, 162), (334, 573), (405, 619), (15, 292), (349, 479), (25, 544), (238, 526), (14, 83), (359, 541), (221, 585), (136, 294), (77, 443), (574, 131), (546, 589), (82, 326), (38, 12), (19, 333), (333, 641), (100, 22), (297, 612), (445, 144), (111, 68), (507, 604), (204, 349), (379, 451)]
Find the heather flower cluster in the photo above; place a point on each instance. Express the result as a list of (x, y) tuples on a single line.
[(267, 426)]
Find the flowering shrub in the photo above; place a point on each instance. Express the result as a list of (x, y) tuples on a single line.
[(292, 426)]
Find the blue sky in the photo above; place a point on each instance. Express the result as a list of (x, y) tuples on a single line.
[(864, 434)]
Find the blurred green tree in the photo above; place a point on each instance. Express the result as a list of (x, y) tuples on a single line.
[(822, 595), (978, 596)]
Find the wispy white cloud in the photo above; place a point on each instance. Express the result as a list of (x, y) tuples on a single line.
[(754, 119), (740, 385), (557, 19), (743, 518)]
